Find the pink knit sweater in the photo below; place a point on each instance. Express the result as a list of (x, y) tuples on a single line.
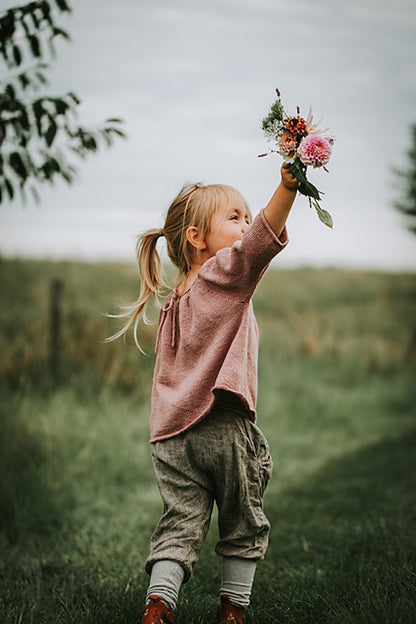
[(208, 338)]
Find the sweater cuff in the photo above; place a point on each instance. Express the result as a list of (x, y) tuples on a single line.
[(281, 240)]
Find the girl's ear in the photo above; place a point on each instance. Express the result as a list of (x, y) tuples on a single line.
[(194, 238)]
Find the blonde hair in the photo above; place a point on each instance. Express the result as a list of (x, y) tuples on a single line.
[(195, 205)]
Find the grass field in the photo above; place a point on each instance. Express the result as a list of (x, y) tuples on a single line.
[(337, 395)]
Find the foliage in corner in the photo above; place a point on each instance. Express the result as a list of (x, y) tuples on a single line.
[(39, 133), (407, 202)]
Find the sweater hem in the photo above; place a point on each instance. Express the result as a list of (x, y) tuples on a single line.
[(251, 412)]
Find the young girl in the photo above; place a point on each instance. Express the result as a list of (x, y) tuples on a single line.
[(206, 446)]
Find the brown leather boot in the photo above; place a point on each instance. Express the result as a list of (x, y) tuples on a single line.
[(229, 613), (157, 612)]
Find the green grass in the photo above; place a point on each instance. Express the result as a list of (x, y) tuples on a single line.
[(78, 500)]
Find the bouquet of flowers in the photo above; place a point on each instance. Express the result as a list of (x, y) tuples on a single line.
[(302, 145)]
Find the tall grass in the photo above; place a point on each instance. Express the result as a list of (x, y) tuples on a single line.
[(78, 500), (90, 293)]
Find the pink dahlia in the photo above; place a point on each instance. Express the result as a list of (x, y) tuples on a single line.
[(287, 146), (315, 150)]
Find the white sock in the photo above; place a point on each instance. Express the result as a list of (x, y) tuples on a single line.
[(165, 582), (237, 576)]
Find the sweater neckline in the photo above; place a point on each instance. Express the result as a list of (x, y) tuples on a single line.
[(178, 294)]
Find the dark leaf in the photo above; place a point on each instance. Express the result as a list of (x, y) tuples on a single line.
[(5, 53), (24, 80), (24, 139), (23, 118), (74, 98), (9, 188), (59, 32), (11, 93), (35, 46), (63, 6), (116, 131), (306, 188), (40, 76), (87, 140), (61, 106), (17, 55), (50, 167), (33, 15), (46, 10), (25, 25), (7, 26), (18, 166), (50, 133), (38, 111), (67, 175)]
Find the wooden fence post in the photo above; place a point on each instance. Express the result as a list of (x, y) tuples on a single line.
[(55, 321)]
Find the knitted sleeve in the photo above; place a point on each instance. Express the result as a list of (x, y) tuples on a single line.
[(238, 269)]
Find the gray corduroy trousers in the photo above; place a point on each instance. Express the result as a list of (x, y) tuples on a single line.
[(225, 458)]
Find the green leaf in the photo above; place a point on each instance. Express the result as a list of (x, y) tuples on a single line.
[(33, 15), (40, 76), (7, 28), (323, 215), (17, 55), (18, 166), (49, 168), (61, 106), (120, 133), (46, 10), (68, 175), (50, 132), (24, 81), (11, 93), (75, 99), (59, 32), (306, 187), (9, 188), (63, 6), (38, 111), (35, 46)]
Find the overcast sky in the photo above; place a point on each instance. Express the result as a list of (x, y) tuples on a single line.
[(192, 80)]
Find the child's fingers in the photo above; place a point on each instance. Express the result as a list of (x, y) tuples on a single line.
[(289, 179)]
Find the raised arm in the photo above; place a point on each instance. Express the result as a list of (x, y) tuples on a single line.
[(278, 208)]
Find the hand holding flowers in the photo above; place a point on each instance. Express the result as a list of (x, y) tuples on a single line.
[(301, 145)]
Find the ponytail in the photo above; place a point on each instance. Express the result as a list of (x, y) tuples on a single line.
[(150, 269), (151, 283)]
